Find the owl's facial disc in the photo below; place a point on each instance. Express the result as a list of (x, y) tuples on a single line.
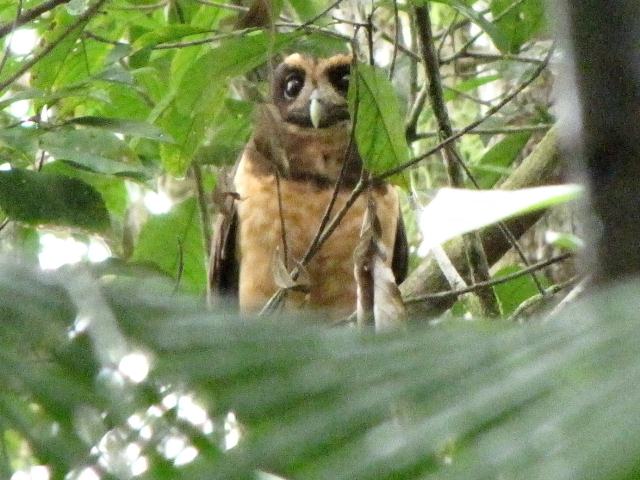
[(310, 94)]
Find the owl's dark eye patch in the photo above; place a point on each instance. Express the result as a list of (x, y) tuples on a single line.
[(339, 78), (293, 83)]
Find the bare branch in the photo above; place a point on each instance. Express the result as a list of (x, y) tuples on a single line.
[(543, 127), (82, 19), (476, 257), (453, 294), (492, 111), (29, 15)]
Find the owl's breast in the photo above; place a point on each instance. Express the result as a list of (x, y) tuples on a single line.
[(330, 272)]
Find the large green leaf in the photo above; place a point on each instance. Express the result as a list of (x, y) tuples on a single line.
[(95, 149), (470, 400), (234, 56), (174, 242), (47, 198), (199, 97), (512, 293), (521, 23), (496, 160), (46, 71), (379, 128)]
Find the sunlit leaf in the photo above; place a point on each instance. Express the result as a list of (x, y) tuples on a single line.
[(565, 241), (453, 212), (521, 23)]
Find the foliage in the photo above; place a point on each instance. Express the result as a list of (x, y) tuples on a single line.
[(116, 120), (458, 400)]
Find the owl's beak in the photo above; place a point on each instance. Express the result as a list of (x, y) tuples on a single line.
[(316, 109)]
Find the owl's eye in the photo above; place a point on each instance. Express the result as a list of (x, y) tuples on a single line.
[(343, 82), (340, 78), (293, 85)]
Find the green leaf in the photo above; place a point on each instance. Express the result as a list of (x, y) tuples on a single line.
[(491, 167), (95, 149), (521, 23), (235, 56), (46, 71), (512, 293), (565, 241), (165, 34), (111, 188), (498, 38), (199, 97), (468, 85), (125, 127), (453, 212), (46, 198), (174, 242), (379, 128), (19, 145)]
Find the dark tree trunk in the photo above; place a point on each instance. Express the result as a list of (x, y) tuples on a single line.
[(600, 40)]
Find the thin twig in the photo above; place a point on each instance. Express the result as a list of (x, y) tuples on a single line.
[(30, 15), (492, 57), (489, 283), (5, 56), (320, 15), (543, 127), (396, 42), (476, 256), (530, 302), (228, 6), (153, 6), (490, 112), (403, 49), (414, 114), (82, 19), (447, 32)]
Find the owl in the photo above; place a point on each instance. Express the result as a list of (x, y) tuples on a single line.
[(283, 182)]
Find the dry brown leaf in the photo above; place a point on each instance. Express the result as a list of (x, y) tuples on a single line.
[(378, 298)]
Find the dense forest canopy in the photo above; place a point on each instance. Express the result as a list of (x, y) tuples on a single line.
[(120, 121)]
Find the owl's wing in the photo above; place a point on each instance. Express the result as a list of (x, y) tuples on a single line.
[(224, 268), (400, 259)]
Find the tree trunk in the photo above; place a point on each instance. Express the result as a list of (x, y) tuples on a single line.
[(600, 123)]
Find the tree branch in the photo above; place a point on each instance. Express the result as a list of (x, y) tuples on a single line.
[(449, 294), (82, 19), (478, 267), (537, 169), (29, 15), (492, 111)]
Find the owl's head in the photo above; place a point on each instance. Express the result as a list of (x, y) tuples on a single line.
[(312, 92)]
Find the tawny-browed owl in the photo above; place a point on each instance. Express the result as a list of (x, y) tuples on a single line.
[(284, 180)]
